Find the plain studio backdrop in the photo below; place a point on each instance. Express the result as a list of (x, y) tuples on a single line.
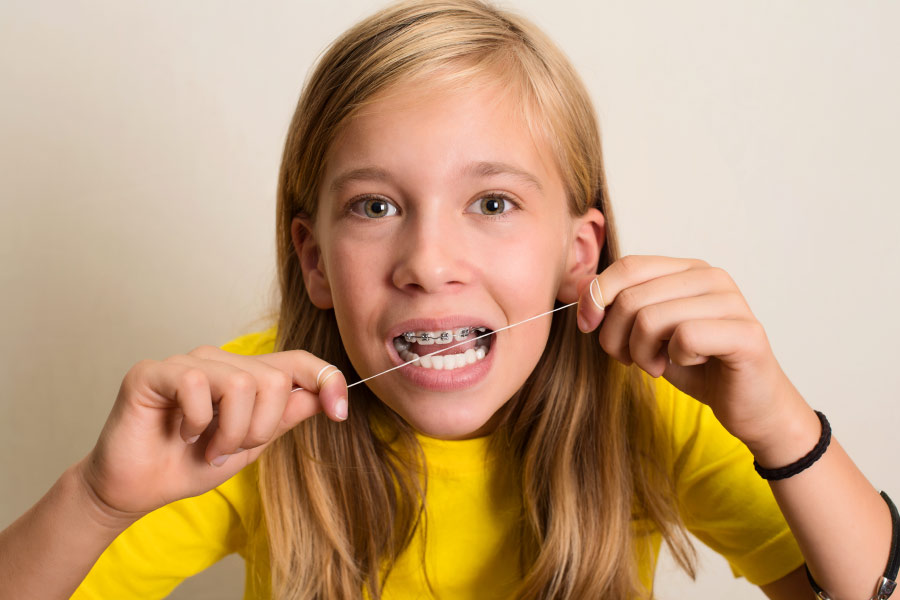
[(140, 144)]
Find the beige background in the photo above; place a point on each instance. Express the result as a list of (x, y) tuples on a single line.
[(140, 142)]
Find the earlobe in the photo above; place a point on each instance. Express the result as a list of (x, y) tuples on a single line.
[(308, 252), (588, 238)]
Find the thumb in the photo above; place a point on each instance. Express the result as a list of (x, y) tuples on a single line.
[(300, 406)]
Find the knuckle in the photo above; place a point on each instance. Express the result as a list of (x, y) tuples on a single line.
[(139, 372), (204, 350), (628, 300), (758, 335), (720, 276), (645, 321), (241, 382), (255, 437), (278, 382), (699, 263), (610, 345), (685, 337), (192, 378), (140, 369), (299, 354), (736, 301), (629, 263)]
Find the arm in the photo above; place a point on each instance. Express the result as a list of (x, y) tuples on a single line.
[(49, 550), (841, 523), (141, 463), (687, 321)]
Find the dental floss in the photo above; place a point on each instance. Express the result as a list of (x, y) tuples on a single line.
[(297, 389)]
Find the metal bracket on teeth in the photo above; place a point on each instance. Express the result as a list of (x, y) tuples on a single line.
[(445, 336)]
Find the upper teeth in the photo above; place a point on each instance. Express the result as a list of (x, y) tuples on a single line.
[(426, 338)]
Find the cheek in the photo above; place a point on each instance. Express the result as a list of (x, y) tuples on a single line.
[(528, 266), (353, 275)]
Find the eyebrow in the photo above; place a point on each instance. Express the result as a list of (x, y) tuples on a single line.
[(489, 169), (361, 174), (479, 169)]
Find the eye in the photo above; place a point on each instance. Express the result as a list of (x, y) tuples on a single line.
[(373, 207), (494, 205)]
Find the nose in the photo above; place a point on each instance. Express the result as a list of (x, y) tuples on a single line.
[(431, 257)]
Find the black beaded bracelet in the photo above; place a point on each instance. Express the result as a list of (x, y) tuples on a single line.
[(805, 462)]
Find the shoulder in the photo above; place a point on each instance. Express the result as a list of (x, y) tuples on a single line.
[(722, 500), (260, 342)]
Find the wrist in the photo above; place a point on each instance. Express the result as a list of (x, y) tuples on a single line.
[(790, 438), (95, 507)]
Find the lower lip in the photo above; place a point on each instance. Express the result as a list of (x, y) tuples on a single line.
[(446, 381)]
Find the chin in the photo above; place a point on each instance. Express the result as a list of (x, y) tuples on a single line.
[(450, 423)]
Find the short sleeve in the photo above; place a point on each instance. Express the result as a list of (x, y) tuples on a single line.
[(261, 342), (172, 543), (725, 503)]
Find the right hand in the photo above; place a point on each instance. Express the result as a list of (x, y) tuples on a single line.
[(142, 459)]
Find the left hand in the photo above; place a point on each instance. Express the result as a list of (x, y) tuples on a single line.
[(687, 321)]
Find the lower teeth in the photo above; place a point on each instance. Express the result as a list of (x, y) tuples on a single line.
[(446, 362)]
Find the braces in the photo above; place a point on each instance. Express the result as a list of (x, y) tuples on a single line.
[(445, 336)]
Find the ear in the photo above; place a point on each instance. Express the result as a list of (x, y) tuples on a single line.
[(589, 235), (307, 249)]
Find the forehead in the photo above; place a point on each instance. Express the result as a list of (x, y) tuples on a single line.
[(437, 124)]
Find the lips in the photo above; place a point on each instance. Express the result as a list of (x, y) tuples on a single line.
[(459, 378)]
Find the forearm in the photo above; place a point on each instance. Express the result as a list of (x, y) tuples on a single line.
[(49, 550), (840, 521)]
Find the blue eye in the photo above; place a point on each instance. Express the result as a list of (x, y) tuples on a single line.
[(494, 205), (376, 208)]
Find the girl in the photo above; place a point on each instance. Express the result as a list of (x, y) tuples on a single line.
[(443, 177)]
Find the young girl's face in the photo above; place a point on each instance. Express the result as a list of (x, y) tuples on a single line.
[(439, 211)]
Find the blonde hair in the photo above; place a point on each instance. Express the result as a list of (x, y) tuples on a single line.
[(340, 502)]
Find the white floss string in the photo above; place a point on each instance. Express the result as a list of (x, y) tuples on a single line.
[(444, 349)]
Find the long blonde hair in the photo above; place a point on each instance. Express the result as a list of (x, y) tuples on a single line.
[(340, 502)]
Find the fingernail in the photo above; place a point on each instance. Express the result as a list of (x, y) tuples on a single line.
[(219, 460), (582, 324), (193, 439), (239, 450), (340, 409)]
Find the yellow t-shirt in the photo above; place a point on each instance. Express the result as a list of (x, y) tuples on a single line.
[(470, 551)]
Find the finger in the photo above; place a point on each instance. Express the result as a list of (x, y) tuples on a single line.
[(655, 324), (591, 305), (182, 385), (234, 390), (305, 370), (273, 390), (600, 291), (300, 406), (310, 373), (619, 322), (731, 341)]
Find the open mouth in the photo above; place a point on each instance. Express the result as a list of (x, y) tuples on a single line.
[(465, 346)]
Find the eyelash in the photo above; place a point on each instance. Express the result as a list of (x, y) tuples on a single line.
[(514, 206), (499, 196)]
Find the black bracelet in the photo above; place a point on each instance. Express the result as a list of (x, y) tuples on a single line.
[(805, 462), (888, 582)]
